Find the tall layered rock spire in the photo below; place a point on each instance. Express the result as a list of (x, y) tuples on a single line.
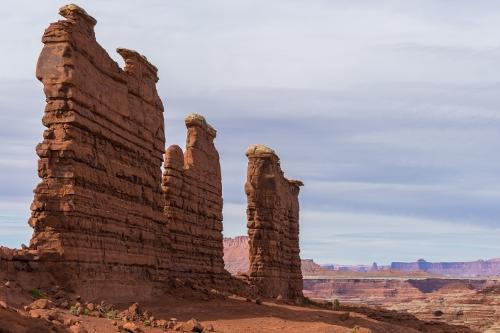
[(273, 225), (99, 206), (193, 203)]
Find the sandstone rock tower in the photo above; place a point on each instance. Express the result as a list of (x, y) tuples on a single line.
[(99, 206), (273, 225), (107, 223), (193, 203)]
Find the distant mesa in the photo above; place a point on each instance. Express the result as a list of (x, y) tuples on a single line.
[(453, 269), (236, 260), (236, 254)]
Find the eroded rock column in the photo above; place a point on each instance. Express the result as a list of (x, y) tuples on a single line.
[(273, 225), (99, 206), (193, 203)]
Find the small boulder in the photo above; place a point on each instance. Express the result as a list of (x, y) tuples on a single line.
[(172, 323), (131, 327), (35, 314), (91, 306), (41, 303), (3, 305), (77, 328), (193, 325), (69, 322), (161, 323), (134, 309), (209, 328), (7, 284)]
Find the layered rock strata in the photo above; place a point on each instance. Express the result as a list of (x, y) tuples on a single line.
[(193, 203), (99, 206), (479, 310), (273, 225), (107, 223)]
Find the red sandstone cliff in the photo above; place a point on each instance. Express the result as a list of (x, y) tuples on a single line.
[(193, 203), (106, 222), (273, 225), (99, 206)]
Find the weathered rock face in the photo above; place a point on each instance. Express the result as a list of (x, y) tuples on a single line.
[(479, 310), (470, 302), (106, 223), (273, 225), (382, 291), (99, 205), (193, 203)]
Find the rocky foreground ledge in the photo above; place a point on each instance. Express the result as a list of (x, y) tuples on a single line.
[(191, 307)]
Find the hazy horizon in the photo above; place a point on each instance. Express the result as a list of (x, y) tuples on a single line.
[(387, 111)]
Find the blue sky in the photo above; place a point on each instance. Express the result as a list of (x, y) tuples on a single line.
[(387, 110)]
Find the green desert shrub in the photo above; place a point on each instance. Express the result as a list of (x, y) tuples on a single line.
[(36, 293)]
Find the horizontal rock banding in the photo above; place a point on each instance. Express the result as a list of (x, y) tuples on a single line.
[(193, 203), (107, 223), (273, 225), (100, 204)]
